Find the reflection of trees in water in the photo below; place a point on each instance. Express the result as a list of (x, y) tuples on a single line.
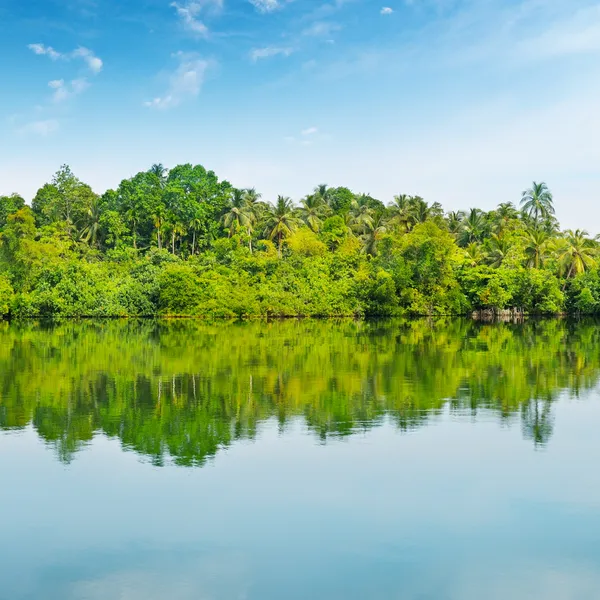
[(537, 420), (185, 389)]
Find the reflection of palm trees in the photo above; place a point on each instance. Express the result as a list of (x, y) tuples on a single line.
[(537, 420)]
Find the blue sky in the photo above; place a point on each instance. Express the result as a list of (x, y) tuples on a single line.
[(464, 102)]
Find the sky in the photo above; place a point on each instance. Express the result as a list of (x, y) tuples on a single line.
[(464, 102)]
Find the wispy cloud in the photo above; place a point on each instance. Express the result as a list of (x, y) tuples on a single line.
[(321, 29), (386, 10), (42, 128), (579, 34), (305, 138), (270, 51), (188, 14), (41, 50), (185, 82), (63, 92), (265, 6), (94, 63)]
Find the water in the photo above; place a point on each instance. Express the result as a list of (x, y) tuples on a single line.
[(323, 460)]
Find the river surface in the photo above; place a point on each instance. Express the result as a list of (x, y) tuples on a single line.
[(336, 460)]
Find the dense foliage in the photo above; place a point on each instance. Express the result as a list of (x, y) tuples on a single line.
[(182, 242), (184, 389)]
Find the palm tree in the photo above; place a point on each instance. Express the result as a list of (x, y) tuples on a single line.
[(399, 211), (576, 252), (324, 193), (473, 227), (254, 209), (237, 215), (536, 202), (361, 214), (160, 172), (194, 226), (499, 248), (132, 216), (536, 247), (90, 231), (473, 254), (312, 210), (159, 217), (177, 230), (373, 232), (281, 220), (505, 213), (454, 221)]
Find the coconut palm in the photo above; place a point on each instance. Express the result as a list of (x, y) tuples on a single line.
[(237, 214), (454, 222), (505, 213), (576, 252), (159, 217), (499, 247), (374, 229), (399, 211), (473, 227), (194, 226), (160, 172), (281, 221), (419, 211), (254, 209), (91, 229), (361, 214), (536, 247), (473, 254), (536, 202), (312, 211), (324, 193)]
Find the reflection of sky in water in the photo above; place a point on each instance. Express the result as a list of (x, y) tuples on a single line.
[(460, 509)]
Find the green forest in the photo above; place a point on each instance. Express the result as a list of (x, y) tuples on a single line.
[(181, 242), (183, 389)]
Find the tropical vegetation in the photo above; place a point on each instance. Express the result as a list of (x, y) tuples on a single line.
[(181, 242)]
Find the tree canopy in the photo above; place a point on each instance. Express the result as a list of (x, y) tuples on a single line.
[(184, 242)]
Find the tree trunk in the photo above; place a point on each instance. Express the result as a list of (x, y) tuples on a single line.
[(193, 242), (159, 240), (173, 242)]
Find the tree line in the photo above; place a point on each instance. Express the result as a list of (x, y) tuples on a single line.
[(183, 242)]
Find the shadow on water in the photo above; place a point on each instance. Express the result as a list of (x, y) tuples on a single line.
[(181, 390)]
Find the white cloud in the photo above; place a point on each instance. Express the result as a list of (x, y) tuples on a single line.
[(188, 14), (265, 6), (63, 92), (40, 49), (42, 128), (386, 10), (94, 63), (185, 82), (269, 51), (310, 131), (321, 28)]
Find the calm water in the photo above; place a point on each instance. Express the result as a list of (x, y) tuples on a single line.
[(297, 460)]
